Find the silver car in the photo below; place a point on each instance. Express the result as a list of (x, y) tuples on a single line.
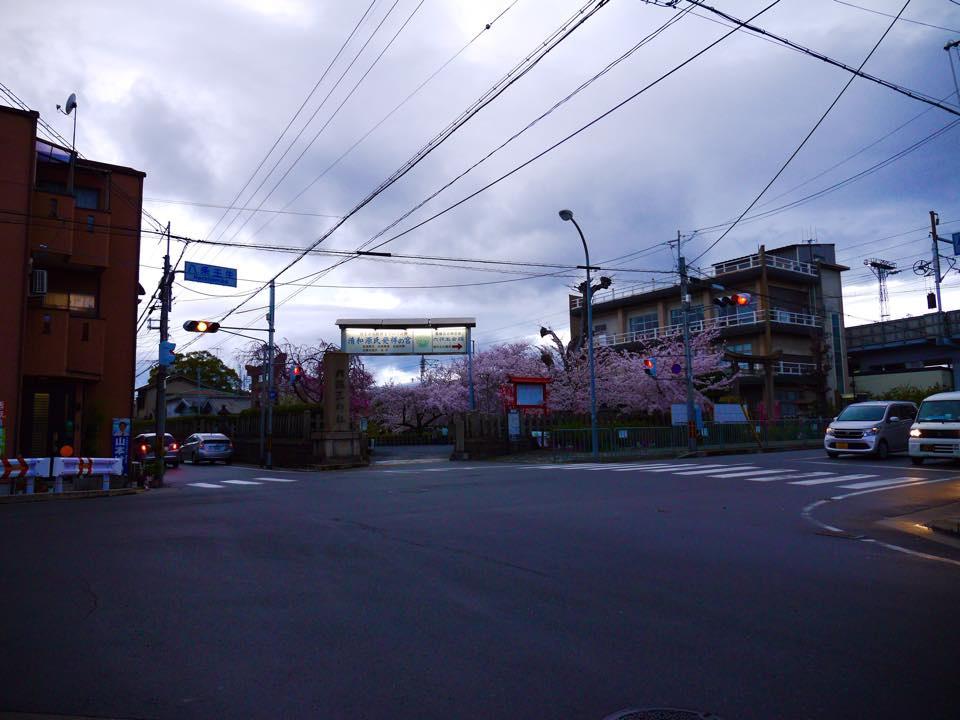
[(871, 428), (209, 447)]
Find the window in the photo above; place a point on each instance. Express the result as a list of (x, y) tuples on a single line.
[(78, 303), (789, 400), (87, 198), (904, 412), (89, 223), (602, 328), (862, 413), (676, 314), (742, 348), (642, 323)]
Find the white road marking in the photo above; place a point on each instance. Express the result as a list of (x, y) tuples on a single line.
[(857, 464), (715, 468), (697, 469), (788, 477), (741, 472), (883, 483), (807, 514), (205, 485), (275, 479), (836, 479), (242, 482), (625, 468)]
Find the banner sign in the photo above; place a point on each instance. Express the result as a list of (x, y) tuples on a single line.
[(121, 442)]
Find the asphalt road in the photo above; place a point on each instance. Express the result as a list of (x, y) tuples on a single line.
[(429, 589)]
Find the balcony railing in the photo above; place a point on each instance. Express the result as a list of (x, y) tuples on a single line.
[(732, 266), (781, 367), (771, 261), (697, 326)]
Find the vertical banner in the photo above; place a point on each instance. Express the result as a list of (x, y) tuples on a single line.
[(121, 441)]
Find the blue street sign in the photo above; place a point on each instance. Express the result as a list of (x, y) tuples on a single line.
[(956, 243), (166, 352), (211, 274)]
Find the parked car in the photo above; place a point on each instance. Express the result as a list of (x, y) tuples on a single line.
[(143, 449), (936, 432), (871, 428), (207, 446)]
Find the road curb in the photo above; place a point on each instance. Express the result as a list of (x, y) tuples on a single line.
[(947, 526), (72, 495)]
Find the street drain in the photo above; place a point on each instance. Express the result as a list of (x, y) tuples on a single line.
[(662, 714)]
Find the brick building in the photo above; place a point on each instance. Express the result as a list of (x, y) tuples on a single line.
[(70, 233)]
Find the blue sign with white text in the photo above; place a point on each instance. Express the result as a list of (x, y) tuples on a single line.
[(956, 243), (212, 274)]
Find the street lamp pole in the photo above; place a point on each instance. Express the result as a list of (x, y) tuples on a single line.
[(567, 215)]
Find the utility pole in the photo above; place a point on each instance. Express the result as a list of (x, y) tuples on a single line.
[(160, 451), (934, 221), (270, 328), (953, 71), (262, 353), (687, 352)]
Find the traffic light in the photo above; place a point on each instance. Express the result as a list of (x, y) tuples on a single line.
[(650, 366), (166, 353), (296, 372), (931, 301), (201, 326), (740, 299)]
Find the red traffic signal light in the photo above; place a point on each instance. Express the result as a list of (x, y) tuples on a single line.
[(296, 372), (201, 326), (740, 299), (650, 366)]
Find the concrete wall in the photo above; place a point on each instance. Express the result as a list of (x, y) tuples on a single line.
[(880, 383)]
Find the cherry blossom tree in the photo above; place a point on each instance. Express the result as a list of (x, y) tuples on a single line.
[(309, 387), (421, 405)]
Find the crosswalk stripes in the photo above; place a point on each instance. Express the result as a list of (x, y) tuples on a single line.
[(277, 480), (722, 468), (242, 482), (788, 476), (205, 485), (834, 479), (883, 483)]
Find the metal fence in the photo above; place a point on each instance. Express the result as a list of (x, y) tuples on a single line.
[(574, 443)]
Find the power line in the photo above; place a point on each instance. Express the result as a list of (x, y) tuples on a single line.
[(915, 22), (836, 63), (336, 111), (175, 201), (293, 118), (804, 141), (521, 69)]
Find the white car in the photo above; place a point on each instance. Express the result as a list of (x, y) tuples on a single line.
[(878, 428), (936, 432)]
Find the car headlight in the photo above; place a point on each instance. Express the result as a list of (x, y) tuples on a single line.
[(871, 431), (914, 432), (829, 431)]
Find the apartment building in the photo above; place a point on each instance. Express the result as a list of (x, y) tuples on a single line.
[(787, 341), (70, 233)]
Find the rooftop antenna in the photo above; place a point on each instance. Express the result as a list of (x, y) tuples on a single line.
[(70, 108), (881, 270)]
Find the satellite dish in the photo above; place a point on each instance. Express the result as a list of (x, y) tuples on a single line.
[(71, 103)]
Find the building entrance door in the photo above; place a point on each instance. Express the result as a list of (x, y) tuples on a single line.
[(47, 420)]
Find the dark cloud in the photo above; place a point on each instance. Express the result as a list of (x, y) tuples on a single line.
[(196, 94)]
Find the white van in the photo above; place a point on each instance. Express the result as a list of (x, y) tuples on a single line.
[(936, 432)]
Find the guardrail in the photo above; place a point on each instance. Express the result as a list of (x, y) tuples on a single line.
[(28, 469), (753, 261)]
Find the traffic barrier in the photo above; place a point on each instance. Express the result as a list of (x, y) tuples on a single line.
[(84, 466), (26, 468)]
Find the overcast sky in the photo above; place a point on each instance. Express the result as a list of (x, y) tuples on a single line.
[(195, 94)]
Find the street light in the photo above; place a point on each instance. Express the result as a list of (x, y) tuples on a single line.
[(567, 216)]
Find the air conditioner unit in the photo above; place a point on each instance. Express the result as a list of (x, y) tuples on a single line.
[(38, 282)]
